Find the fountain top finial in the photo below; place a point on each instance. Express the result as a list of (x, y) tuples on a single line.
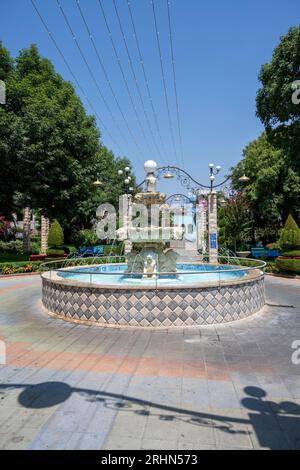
[(150, 166)]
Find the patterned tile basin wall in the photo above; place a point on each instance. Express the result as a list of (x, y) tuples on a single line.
[(162, 308)]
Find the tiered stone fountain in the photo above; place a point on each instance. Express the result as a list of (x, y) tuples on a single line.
[(151, 253)]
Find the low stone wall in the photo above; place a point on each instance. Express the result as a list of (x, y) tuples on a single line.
[(142, 307)]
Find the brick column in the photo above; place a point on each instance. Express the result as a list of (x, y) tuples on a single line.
[(212, 227), (45, 224), (26, 229)]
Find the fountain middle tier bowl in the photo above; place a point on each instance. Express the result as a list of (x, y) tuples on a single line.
[(198, 294)]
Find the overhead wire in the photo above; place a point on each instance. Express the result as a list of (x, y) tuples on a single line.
[(79, 86)]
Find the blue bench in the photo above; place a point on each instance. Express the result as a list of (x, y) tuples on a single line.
[(90, 251), (260, 252)]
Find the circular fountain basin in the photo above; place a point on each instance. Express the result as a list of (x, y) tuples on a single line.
[(113, 275), (198, 294)]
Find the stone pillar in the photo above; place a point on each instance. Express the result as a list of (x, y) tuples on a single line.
[(126, 205), (201, 226), (212, 227), (45, 224), (26, 229)]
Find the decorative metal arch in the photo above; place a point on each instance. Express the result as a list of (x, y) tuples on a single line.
[(185, 179), (183, 198)]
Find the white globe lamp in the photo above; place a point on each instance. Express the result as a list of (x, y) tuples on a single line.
[(150, 166)]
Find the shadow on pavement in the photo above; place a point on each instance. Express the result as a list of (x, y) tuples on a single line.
[(276, 425)]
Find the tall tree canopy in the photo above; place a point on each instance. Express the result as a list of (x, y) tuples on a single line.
[(273, 189), (275, 107), (50, 148), (272, 162)]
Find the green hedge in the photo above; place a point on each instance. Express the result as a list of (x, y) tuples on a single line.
[(289, 265), (291, 253), (56, 252)]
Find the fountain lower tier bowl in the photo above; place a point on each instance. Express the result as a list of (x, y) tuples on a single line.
[(197, 294)]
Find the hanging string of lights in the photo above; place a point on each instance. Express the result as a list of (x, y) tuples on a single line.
[(135, 79), (123, 74), (89, 69), (174, 81), (160, 148), (146, 79), (163, 78), (79, 86), (106, 74)]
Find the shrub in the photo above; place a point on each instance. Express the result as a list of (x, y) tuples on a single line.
[(85, 238), (53, 252), (271, 267), (273, 246), (292, 253), (56, 235), (18, 268), (14, 246), (290, 235), (289, 265), (35, 248), (114, 250)]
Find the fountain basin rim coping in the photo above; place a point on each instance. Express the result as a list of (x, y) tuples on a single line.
[(252, 274)]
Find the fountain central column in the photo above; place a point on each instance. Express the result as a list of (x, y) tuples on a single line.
[(151, 253)]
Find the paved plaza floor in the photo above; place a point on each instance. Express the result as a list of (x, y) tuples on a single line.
[(69, 386)]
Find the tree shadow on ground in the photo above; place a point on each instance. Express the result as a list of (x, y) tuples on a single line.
[(276, 425)]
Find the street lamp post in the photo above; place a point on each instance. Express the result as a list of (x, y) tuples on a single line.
[(213, 171), (125, 200)]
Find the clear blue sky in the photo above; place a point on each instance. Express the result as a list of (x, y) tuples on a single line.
[(219, 47)]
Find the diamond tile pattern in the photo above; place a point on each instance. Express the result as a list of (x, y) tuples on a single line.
[(163, 308)]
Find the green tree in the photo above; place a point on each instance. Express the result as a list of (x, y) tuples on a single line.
[(50, 147), (56, 235), (274, 98), (237, 222), (273, 188), (277, 111)]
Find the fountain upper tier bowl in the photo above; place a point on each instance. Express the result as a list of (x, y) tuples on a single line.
[(196, 294)]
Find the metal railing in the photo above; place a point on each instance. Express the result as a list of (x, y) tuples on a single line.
[(236, 265)]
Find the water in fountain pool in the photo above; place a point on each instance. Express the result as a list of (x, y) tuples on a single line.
[(186, 274)]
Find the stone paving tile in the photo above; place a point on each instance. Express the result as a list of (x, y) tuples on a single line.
[(266, 433), (158, 444), (232, 430), (71, 386), (161, 425), (123, 443)]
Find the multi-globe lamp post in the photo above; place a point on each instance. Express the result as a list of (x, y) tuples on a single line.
[(127, 179)]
